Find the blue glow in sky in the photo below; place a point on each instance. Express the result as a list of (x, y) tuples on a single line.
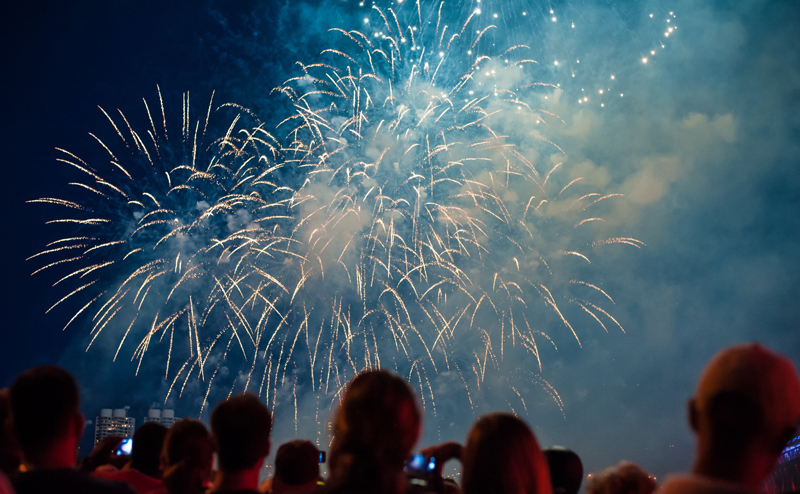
[(690, 113)]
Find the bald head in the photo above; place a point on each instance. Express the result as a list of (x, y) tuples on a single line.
[(744, 410), (751, 384)]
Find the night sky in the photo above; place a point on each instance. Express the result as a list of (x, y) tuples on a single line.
[(705, 145)]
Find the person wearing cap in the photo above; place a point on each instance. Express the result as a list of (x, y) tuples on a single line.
[(296, 469), (744, 410), (566, 469)]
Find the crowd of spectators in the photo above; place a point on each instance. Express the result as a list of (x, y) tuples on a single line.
[(744, 410)]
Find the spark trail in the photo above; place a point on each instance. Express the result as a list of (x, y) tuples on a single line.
[(411, 213), (168, 234), (439, 225)]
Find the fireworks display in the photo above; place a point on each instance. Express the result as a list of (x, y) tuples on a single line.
[(169, 235), (412, 212)]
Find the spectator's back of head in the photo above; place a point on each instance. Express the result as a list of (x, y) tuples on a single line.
[(502, 456), (296, 467), (624, 478), (566, 470), (186, 439), (241, 429), (379, 416), (746, 392), (187, 457), (9, 459), (45, 408), (148, 440), (376, 426)]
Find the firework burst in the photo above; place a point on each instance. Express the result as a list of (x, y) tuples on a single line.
[(439, 225), (412, 213), (163, 236)]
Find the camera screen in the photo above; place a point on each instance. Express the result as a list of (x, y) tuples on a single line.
[(417, 463), (125, 447), (420, 464)]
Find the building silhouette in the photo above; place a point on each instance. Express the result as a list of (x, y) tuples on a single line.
[(164, 417), (113, 423)]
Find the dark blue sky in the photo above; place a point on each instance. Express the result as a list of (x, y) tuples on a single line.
[(705, 147)]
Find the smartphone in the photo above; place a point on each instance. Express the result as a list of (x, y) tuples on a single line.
[(322, 457), (422, 476), (420, 465), (125, 447)]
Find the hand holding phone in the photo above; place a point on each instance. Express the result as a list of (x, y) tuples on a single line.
[(443, 453), (423, 473)]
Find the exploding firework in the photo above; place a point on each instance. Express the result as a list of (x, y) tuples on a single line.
[(439, 225), (412, 213), (164, 235)]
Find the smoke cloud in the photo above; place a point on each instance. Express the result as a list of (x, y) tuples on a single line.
[(700, 141)]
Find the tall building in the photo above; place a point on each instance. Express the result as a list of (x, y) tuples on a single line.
[(113, 423), (164, 417)]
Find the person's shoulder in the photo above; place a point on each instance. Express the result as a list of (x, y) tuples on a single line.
[(5, 485), (141, 482), (338, 490), (698, 484), (66, 481), (673, 484), (160, 490)]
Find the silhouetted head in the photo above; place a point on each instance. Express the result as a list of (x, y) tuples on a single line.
[(9, 456), (148, 440), (624, 478), (186, 457), (376, 426), (241, 428), (566, 470), (746, 393), (296, 467), (502, 456), (45, 408)]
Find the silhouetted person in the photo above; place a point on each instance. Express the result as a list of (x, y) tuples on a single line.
[(9, 452), (142, 472), (745, 409), (296, 469), (9, 456), (623, 478), (48, 425), (376, 426), (501, 456), (186, 458), (5, 485), (241, 428), (566, 470)]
